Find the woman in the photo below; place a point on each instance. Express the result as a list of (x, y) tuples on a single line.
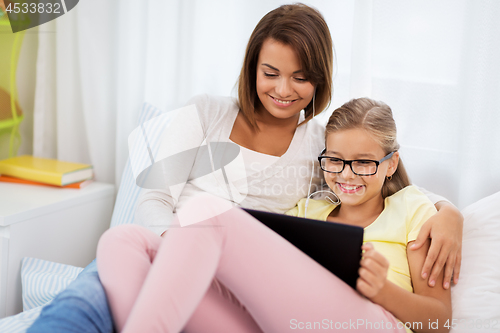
[(287, 67)]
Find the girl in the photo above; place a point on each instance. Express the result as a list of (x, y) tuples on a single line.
[(362, 167), (270, 285)]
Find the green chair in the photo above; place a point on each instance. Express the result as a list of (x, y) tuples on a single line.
[(11, 114)]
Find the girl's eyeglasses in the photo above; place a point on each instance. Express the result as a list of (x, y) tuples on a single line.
[(358, 167)]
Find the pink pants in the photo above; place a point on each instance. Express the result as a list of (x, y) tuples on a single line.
[(228, 273)]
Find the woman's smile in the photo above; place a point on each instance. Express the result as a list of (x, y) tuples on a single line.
[(283, 103)]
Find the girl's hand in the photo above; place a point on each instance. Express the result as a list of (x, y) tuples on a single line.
[(373, 272), (445, 229)]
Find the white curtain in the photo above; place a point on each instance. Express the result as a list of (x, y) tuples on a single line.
[(75, 117), (434, 62)]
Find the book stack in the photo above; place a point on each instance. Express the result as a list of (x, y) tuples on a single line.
[(31, 170)]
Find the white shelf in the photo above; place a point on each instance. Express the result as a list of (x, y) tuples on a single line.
[(56, 224), (19, 202)]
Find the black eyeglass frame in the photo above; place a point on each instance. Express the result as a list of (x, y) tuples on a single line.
[(349, 162)]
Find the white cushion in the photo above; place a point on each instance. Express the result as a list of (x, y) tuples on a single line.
[(128, 191), (42, 280), (476, 297), (20, 322)]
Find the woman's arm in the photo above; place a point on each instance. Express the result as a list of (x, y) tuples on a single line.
[(445, 229), (175, 138), (421, 308)]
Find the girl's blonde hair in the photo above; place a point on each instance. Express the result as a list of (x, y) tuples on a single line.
[(305, 30), (376, 118)]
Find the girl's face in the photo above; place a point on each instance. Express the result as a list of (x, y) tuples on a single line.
[(356, 144), (281, 85)]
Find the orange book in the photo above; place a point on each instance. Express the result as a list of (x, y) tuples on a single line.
[(8, 179)]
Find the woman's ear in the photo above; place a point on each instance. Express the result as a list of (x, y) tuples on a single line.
[(393, 164)]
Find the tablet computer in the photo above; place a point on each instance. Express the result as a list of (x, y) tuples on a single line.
[(335, 246)]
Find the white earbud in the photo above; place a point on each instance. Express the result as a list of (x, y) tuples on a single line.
[(336, 202)]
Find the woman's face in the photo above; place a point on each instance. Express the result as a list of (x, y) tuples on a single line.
[(281, 85), (356, 144)]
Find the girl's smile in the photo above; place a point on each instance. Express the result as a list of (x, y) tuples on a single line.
[(349, 188)]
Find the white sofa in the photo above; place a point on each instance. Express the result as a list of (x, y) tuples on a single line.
[(476, 298)]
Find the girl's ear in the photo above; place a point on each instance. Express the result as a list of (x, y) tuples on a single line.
[(393, 164)]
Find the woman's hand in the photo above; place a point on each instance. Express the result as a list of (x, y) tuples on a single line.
[(373, 272), (445, 230)]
